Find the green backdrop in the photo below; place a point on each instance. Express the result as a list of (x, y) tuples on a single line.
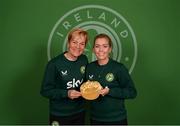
[(25, 27)]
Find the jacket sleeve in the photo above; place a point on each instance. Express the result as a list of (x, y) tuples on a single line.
[(126, 88), (49, 87)]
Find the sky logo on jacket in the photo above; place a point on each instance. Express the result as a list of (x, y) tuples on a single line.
[(74, 83)]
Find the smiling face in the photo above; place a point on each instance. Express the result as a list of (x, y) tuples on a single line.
[(76, 43), (102, 48)]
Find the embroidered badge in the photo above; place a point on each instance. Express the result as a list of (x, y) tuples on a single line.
[(91, 77), (110, 77), (82, 69), (55, 123), (64, 72)]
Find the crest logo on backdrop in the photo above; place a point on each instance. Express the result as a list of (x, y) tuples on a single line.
[(96, 19)]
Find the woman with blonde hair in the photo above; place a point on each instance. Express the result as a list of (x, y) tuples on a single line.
[(63, 76), (109, 108)]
